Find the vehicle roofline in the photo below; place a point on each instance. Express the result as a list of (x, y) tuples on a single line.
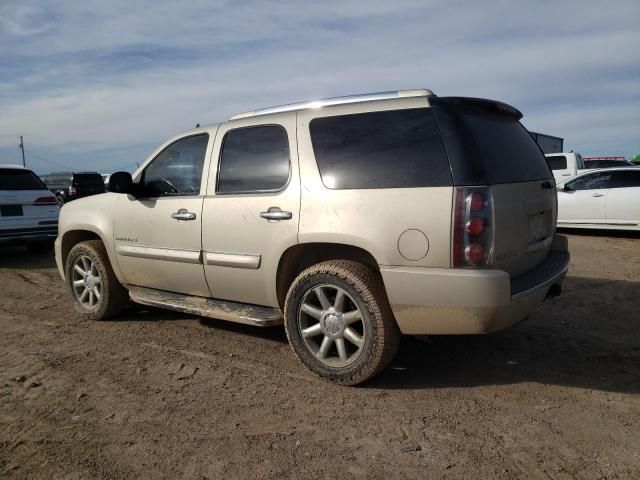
[(13, 166)]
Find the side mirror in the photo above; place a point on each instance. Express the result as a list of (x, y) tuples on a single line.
[(121, 182), (566, 188)]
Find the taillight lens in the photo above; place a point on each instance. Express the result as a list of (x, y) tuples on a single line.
[(472, 227), (475, 226), (72, 191), (48, 200)]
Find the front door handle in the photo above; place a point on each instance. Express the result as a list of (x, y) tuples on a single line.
[(274, 213), (183, 214), (598, 195)]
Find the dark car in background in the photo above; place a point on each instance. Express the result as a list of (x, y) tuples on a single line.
[(607, 164), (68, 186)]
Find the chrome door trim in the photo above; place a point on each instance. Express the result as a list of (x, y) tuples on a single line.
[(155, 253), (236, 260)]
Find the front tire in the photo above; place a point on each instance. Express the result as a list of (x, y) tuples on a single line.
[(339, 323), (95, 291)]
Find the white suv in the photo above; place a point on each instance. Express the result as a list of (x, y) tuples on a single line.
[(28, 210), (350, 220)]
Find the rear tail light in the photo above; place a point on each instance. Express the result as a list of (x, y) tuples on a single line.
[(472, 227), (72, 191), (48, 200)]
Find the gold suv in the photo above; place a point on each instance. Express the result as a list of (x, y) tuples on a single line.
[(351, 220)]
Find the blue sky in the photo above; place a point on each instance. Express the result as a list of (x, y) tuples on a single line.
[(99, 84)]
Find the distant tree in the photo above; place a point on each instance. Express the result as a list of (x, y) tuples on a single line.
[(636, 159)]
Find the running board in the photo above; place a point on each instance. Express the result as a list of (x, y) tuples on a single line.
[(208, 307)]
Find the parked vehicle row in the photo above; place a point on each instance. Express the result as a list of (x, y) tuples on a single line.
[(350, 220), (28, 210), (69, 186)]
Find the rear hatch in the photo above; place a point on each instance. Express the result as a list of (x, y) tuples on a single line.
[(88, 184), (25, 202), (489, 147)]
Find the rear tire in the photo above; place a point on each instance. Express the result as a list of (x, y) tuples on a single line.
[(95, 291), (339, 323)]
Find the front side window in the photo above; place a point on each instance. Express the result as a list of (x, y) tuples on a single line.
[(177, 170), (254, 160), (595, 181), (387, 149), (557, 162)]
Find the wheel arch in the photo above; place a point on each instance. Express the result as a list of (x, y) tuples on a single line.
[(72, 237), (303, 255)]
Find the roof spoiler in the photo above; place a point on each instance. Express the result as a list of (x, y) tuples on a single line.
[(478, 103)]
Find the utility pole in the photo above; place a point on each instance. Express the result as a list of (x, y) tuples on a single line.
[(24, 164)]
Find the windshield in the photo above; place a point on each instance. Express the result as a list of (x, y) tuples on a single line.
[(14, 179)]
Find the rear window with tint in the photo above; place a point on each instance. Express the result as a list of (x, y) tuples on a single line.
[(389, 149), (11, 179), (506, 149), (93, 179), (558, 162)]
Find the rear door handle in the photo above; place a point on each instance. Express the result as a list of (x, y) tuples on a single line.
[(274, 213), (598, 195), (183, 214)]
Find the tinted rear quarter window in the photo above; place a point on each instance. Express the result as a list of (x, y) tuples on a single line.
[(13, 179), (254, 160), (387, 149), (625, 179), (557, 162)]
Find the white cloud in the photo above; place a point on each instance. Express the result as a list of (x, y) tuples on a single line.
[(89, 76)]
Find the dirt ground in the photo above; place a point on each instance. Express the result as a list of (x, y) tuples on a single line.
[(156, 394)]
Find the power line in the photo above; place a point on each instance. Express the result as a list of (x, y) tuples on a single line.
[(50, 161)]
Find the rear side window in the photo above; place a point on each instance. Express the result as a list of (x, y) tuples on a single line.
[(254, 160), (506, 149), (625, 179), (557, 162), (389, 149), (13, 179)]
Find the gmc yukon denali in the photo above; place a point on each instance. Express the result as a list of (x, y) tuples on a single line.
[(351, 220)]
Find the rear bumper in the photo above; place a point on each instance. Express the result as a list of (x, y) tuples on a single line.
[(48, 232), (431, 301)]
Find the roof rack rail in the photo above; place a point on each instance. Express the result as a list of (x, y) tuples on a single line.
[(363, 97)]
